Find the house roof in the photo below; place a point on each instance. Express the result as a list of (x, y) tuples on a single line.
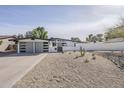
[(51, 39), (59, 39), (6, 36), (32, 40)]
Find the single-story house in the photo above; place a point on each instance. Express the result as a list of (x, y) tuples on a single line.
[(48, 45), (60, 45)]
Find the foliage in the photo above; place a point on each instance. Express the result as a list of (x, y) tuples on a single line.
[(94, 58), (99, 37), (116, 31), (94, 38), (82, 51), (75, 39), (86, 60), (40, 33)]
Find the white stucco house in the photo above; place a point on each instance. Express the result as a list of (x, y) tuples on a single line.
[(48, 45), (62, 45)]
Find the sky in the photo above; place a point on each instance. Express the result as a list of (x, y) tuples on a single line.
[(59, 21)]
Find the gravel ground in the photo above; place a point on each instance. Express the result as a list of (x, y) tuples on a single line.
[(68, 70)]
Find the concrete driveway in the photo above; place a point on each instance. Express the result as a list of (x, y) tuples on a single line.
[(13, 67)]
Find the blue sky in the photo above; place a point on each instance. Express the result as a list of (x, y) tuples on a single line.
[(59, 21)]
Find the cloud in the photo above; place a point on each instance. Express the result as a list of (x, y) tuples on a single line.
[(78, 22)]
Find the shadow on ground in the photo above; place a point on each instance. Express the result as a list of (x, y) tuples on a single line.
[(14, 54)]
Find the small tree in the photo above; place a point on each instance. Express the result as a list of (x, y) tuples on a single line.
[(75, 39), (99, 37)]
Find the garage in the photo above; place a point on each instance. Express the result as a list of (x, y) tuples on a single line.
[(39, 47), (32, 46)]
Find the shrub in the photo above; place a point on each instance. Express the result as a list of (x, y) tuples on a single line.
[(94, 58), (82, 51), (76, 57), (86, 61), (93, 54)]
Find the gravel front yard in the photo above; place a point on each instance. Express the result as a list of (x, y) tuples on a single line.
[(66, 70)]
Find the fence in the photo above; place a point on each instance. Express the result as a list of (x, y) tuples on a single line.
[(100, 46)]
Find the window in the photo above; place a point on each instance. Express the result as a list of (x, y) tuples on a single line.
[(64, 44), (74, 44), (45, 48), (45, 42), (53, 44)]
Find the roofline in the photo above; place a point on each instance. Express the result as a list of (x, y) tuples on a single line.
[(30, 38), (67, 40), (7, 36), (51, 39), (60, 39)]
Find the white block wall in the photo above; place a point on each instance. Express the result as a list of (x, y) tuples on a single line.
[(100, 46)]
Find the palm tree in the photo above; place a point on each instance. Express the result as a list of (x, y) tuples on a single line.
[(40, 33)]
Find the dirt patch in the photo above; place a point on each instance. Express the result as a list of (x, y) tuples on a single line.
[(63, 70)]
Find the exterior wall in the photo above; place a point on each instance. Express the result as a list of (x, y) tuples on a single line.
[(38, 47), (33, 46), (71, 46), (104, 46), (60, 43), (52, 48), (29, 47), (70, 43), (26, 47), (100, 46)]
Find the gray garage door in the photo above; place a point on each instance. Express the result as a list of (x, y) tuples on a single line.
[(29, 47), (39, 47)]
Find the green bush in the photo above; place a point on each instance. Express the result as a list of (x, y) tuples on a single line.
[(94, 58), (86, 61)]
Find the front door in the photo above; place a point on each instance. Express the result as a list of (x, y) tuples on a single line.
[(59, 49)]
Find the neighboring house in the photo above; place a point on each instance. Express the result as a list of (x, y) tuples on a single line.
[(6, 43), (48, 45)]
